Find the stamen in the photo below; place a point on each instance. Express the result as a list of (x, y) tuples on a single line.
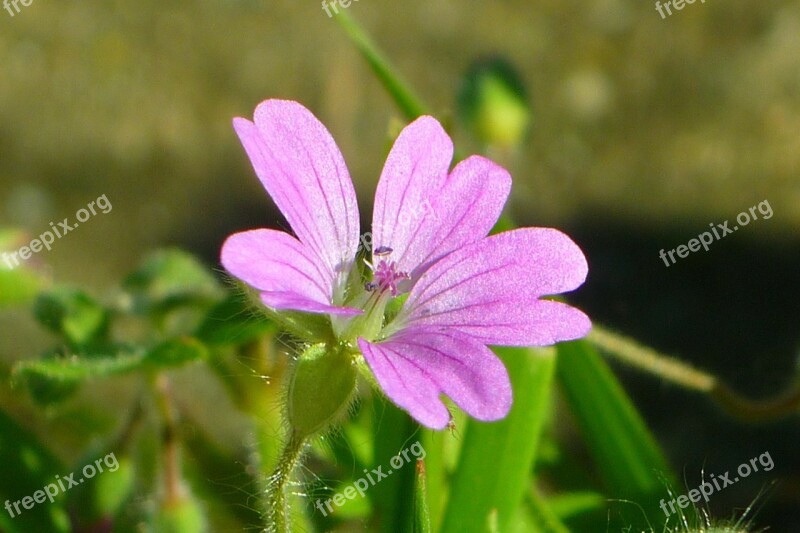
[(385, 275)]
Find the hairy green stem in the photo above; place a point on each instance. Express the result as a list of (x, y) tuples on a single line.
[(675, 371), (278, 497)]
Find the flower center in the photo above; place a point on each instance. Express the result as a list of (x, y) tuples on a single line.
[(385, 275), (386, 284)]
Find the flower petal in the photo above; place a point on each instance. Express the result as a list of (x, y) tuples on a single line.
[(302, 169), (415, 366), (465, 210), (490, 290), (415, 171), (284, 269)]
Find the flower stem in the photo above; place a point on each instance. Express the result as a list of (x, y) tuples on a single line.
[(278, 496), (675, 371), (399, 90), (170, 453)]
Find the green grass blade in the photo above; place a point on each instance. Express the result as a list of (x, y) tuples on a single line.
[(393, 496), (496, 459), (627, 456)]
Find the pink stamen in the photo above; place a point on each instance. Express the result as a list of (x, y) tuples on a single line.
[(385, 275)]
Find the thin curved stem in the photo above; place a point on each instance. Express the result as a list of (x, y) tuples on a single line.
[(676, 371)]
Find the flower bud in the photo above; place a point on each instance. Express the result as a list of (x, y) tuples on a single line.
[(493, 103), (321, 388)]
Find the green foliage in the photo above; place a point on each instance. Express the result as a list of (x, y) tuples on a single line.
[(19, 284), (482, 487), (73, 315), (28, 466), (629, 460)]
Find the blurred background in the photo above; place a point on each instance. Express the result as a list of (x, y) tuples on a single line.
[(642, 132)]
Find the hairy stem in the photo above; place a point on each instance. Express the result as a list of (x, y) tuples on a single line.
[(675, 371), (278, 496)]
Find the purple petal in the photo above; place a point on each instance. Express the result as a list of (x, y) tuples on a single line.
[(415, 171), (490, 290), (303, 171), (465, 210), (415, 366), (286, 271), (291, 301)]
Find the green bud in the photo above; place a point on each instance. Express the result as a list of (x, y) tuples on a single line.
[(494, 104), (323, 382)]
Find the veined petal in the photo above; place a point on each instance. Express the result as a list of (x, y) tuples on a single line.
[(465, 210), (490, 290), (415, 366), (414, 173), (288, 273), (291, 301), (303, 171)]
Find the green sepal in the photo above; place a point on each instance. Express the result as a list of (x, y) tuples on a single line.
[(322, 385)]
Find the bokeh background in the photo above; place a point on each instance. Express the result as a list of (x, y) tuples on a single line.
[(643, 131)]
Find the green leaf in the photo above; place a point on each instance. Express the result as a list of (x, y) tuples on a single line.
[(170, 278), (73, 315), (626, 454), (232, 321), (392, 499), (176, 352), (75, 369), (497, 458), (571, 504), (28, 467)]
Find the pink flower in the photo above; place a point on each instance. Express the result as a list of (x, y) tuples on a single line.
[(462, 289)]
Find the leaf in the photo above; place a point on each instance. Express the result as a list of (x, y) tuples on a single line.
[(626, 454), (176, 352), (232, 321), (76, 369), (73, 315), (28, 467), (392, 501), (170, 278), (497, 458)]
